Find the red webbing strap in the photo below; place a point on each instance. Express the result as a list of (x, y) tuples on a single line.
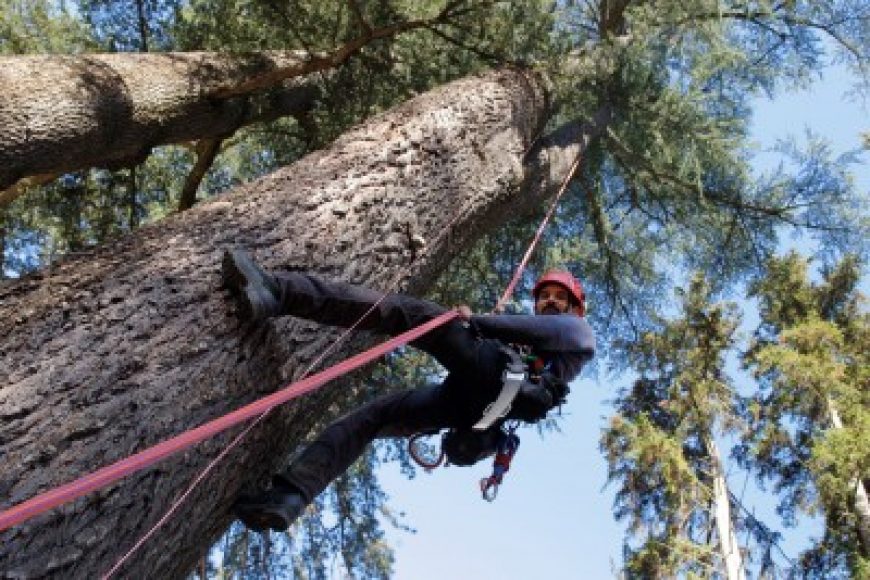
[(84, 485)]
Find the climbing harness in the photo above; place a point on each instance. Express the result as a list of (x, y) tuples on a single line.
[(466, 447), (507, 448)]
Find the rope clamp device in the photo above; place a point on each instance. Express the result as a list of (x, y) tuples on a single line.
[(514, 376)]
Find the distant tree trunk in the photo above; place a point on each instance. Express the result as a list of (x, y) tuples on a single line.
[(112, 351), (3, 234), (132, 199), (143, 25), (729, 549), (862, 502)]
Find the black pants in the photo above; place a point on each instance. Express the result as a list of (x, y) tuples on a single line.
[(474, 366)]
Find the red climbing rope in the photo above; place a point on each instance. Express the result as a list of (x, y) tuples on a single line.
[(234, 443), (508, 292), (65, 493)]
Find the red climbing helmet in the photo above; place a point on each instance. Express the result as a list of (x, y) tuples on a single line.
[(567, 280)]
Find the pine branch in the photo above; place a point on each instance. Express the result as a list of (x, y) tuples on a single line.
[(725, 198), (758, 18), (206, 152)]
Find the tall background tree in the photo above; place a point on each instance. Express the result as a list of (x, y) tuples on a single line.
[(655, 94), (810, 420), (662, 446)]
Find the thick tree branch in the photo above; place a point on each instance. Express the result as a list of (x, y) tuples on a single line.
[(63, 113), (121, 145)]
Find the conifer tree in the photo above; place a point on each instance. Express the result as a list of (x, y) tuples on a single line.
[(665, 179), (810, 422), (662, 451)]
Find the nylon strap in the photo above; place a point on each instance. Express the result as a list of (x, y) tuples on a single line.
[(111, 473), (511, 380)]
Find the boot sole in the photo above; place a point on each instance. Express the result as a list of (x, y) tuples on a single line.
[(236, 274), (260, 519)]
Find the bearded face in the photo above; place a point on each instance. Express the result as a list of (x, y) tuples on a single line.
[(553, 299)]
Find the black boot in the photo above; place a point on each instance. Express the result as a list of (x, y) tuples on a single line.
[(275, 509), (257, 291)]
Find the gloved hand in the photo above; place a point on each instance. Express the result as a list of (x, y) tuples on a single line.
[(535, 399), (557, 388)]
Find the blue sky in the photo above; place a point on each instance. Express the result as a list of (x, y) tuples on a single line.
[(553, 518)]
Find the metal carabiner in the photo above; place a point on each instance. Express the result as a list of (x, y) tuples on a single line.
[(418, 459), (488, 489)]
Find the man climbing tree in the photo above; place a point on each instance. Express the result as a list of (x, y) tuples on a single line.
[(486, 384)]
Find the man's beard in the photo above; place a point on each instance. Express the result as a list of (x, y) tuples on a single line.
[(550, 309)]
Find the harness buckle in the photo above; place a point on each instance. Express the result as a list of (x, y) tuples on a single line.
[(512, 379)]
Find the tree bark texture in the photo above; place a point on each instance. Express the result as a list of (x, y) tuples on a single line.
[(61, 113), (116, 349)]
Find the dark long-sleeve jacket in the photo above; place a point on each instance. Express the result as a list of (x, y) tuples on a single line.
[(564, 341)]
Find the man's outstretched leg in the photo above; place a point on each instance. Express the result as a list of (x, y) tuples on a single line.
[(337, 447), (262, 295)]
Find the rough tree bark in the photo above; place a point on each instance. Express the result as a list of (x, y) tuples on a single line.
[(121, 347)]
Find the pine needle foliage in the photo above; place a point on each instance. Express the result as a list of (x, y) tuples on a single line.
[(810, 422), (660, 445)]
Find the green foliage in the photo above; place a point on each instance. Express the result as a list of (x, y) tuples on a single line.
[(670, 188), (131, 25), (83, 209), (660, 446), (344, 524), (28, 26), (810, 356)]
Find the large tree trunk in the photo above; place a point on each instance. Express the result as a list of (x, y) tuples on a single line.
[(112, 351)]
